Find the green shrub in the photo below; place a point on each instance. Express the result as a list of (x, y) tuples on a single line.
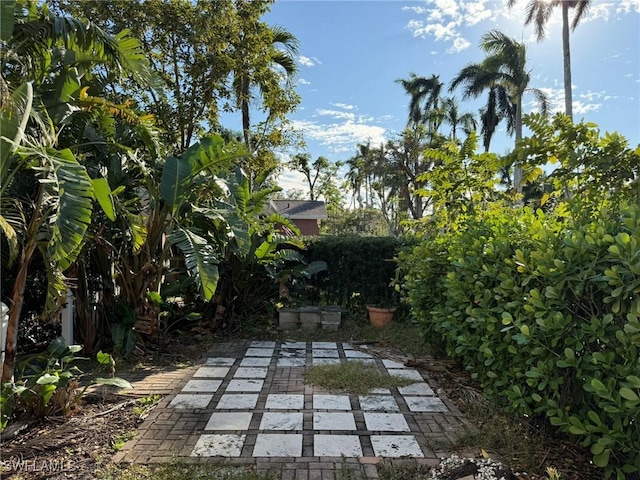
[(359, 270), (49, 383), (544, 310)]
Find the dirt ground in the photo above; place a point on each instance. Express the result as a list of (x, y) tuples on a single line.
[(79, 445)]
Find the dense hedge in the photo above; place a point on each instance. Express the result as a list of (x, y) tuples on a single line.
[(360, 270), (545, 312)]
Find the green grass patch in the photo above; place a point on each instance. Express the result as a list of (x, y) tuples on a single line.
[(356, 378), (119, 441)]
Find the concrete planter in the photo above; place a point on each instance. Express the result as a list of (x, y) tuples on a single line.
[(331, 317), (310, 317), (288, 318)]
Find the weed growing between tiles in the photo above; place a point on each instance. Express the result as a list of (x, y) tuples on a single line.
[(356, 378)]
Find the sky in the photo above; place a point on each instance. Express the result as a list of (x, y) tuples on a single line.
[(352, 53)]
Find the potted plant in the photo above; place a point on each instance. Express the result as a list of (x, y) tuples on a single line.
[(380, 316)]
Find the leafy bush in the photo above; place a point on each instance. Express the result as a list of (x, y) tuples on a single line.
[(48, 383), (360, 270), (545, 311)]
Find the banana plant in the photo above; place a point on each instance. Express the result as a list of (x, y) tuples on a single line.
[(260, 253), (46, 194)]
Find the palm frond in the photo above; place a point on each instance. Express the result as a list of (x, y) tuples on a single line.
[(581, 7)]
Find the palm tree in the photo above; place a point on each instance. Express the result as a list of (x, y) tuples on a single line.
[(498, 108), (426, 97), (280, 54), (538, 12), (504, 67), (454, 118)]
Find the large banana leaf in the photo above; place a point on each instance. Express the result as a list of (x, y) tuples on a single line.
[(73, 207), (200, 259), (12, 224), (7, 8), (102, 192), (13, 121), (240, 192), (173, 183)]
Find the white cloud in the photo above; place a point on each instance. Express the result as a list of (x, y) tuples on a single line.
[(628, 6), (385, 118), (445, 18), (584, 102), (339, 114), (290, 180), (302, 81), (345, 106), (306, 61), (580, 108), (418, 10), (341, 137), (459, 44)]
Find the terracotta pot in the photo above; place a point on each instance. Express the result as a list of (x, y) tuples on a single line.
[(380, 317)]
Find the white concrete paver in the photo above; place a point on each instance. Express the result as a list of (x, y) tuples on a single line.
[(406, 373), (251, 372), (219, 446), (420, 388), (278, 445), (202, 386), (212, 372), (326, 361), (324, 353), (237, 401), (220, 362), (284, 401), (333, 421), (324, 345), (386, 422), (259, 352), (281, 421), (291, 362), (188, 400), (425, 404), (378, 402), (331, 402), (238, 385), (336, 446), (396, 446), (255, 362), (386, 426), (229, 421)]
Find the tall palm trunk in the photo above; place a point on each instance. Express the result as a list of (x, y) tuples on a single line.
[(517, 170), (566, 55), (246, 119)]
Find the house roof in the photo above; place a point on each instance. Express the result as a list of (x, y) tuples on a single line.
[(301, 209)]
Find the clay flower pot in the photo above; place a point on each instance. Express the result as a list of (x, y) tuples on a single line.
[(379, 316)]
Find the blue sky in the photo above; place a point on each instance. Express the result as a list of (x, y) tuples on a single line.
[(353, 51)]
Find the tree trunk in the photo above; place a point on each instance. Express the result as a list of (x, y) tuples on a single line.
[(566, 55), (517, 170), (246, 122), (17, 294), (15, 310)]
